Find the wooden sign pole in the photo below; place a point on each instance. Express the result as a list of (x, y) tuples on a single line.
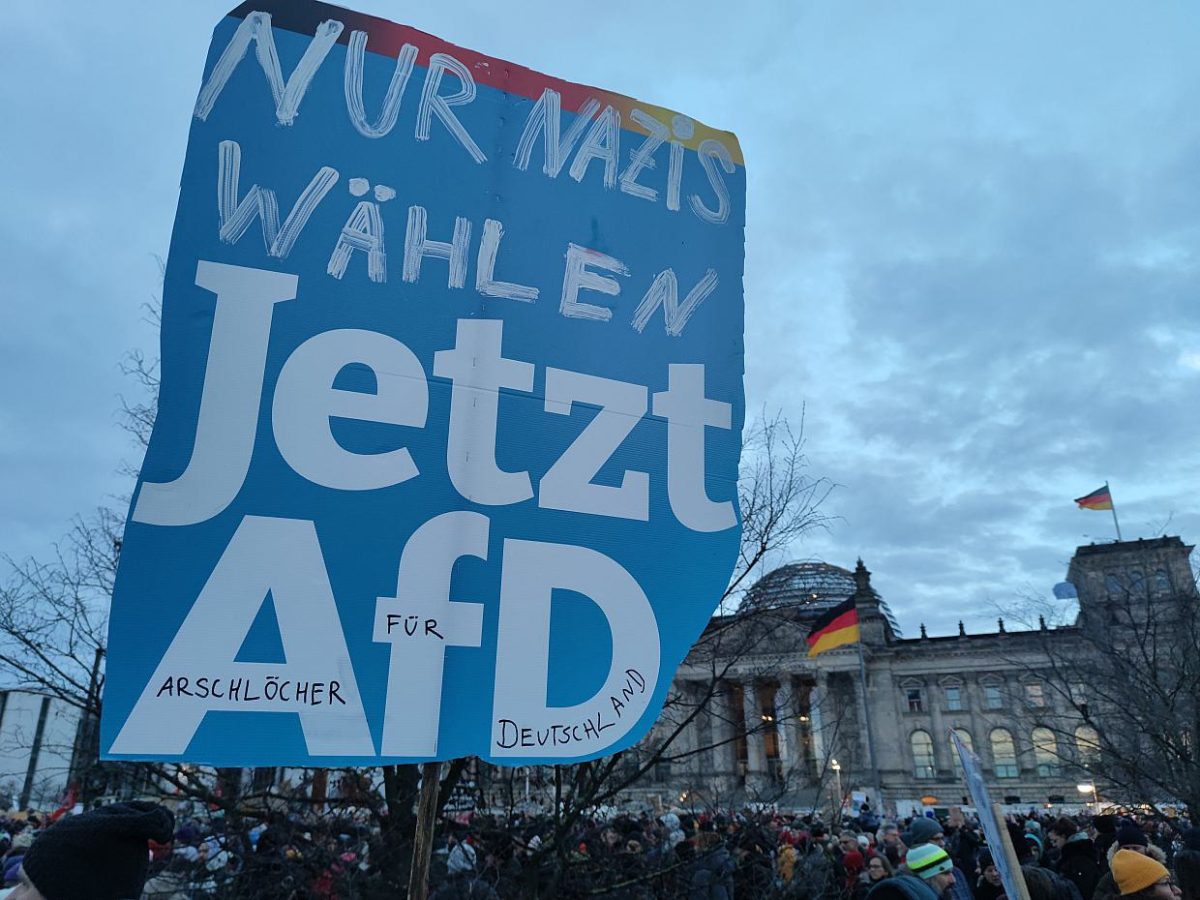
[(1010, 853), (418, 875)]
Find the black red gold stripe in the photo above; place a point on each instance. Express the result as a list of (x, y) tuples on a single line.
[(835, 627)]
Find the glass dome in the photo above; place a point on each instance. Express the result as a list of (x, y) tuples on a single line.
[(809, 586)]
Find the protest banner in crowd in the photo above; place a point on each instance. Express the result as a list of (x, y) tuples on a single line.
[(994, 829), (448, 436)]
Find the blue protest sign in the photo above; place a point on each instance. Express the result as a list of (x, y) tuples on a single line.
[(994, 828), (446, 454)]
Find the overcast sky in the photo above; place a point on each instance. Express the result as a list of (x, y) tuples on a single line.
[(970, 253)]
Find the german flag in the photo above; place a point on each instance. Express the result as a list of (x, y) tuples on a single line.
[(835, 627), (1097, 499)]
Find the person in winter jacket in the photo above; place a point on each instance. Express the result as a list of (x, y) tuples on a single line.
[(712, 874), (1131, 837), (989, 886), (888, 842), (1044, 884), (926, 831), (876, 869), (1106, 887), (927, 875), (1141, 877), (102, 855), (464, 883), (1105, 828), (853, 863), (818, 874), (172, 882), (1076, 856), (785, 858), (1187, 865)]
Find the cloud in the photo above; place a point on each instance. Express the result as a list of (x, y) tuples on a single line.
[(971, 253)]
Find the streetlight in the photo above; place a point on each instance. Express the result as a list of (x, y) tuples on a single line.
[(1089, 787), (837, 772)]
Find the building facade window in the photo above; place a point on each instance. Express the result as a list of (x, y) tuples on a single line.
[(993, 696), (914, 699), (964, 736), (1162, 582), (1079, 697), (1112, 584), (954, 698), (922, 751), (1087, 744), (1045, 752), (1137, 583), (1035, 694), (1004, 753)]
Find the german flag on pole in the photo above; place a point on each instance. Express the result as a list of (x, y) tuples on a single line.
[(1097, 499), (834, 628)]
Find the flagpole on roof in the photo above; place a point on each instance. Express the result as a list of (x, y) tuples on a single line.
[(862, 588), (1113, 506), (862, 675)]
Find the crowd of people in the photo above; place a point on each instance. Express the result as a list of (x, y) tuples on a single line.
[(731, 857), (690, 856)]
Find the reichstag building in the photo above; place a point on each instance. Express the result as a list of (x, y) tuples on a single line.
[(752, 718)]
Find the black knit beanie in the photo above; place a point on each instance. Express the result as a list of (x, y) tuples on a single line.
[(99, 855), (1130, 833)]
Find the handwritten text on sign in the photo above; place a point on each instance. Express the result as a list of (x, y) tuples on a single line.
[(475, 498)]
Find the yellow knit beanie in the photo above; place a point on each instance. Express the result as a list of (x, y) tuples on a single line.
[(1135, 872)]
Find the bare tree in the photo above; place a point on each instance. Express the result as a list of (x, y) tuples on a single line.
[(53, 622), (780, 502), (1124, 676)]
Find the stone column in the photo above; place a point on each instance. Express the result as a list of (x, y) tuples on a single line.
[(981, 732), (816, 714), (756, 751), (787, 726), (689, 740), (941, 737), (862, 765), (724, 762)]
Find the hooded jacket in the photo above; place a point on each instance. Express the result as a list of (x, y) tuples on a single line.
[(712, 877), (1106, 886), (1077, 863), (902, 887)]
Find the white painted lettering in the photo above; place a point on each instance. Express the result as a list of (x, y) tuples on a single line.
[(643, 156), (603, 142), (389, 112), (362, 231), (236, 216), (714, 150), (256, 27), (433, 103), (664, 292), (577, 277), (546, 117), (417, 245), (485, 270)]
